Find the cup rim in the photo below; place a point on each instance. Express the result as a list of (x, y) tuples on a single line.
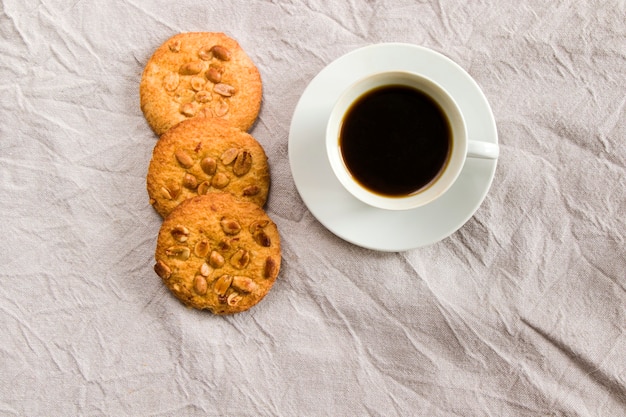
[(437, 186)]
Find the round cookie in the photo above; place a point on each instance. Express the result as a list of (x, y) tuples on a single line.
[(218, 253), (200, 74), (202, 155)]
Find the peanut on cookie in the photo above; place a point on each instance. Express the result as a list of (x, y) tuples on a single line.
[(218, 253), (200, 74), (203, 155)]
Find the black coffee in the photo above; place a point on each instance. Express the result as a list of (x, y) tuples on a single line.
[(395, 140)]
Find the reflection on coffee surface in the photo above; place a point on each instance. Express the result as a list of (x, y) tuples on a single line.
[(395, 140)]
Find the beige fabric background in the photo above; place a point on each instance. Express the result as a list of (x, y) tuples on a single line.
[(522, 312)]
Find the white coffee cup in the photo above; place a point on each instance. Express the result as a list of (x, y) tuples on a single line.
[(461, 146)]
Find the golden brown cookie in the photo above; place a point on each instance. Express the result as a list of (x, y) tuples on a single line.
[(200, 74), (218, 253), (202, 155)]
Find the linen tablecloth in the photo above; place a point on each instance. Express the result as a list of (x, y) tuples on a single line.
[(521, 312)]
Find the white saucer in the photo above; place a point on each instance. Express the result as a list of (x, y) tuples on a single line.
[(338, 210)]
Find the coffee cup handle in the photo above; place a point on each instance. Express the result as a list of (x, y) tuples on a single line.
[(483, 150)]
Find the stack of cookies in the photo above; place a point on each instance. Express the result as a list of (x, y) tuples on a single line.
[(209, 179)]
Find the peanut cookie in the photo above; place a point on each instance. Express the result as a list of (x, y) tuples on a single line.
[(200, 74), (201, 155), (218, 253)]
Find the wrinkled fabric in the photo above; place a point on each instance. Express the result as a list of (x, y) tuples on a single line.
[(521, 312)]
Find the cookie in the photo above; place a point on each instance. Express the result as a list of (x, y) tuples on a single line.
[(202, 155), (218, 253), (200, 74)]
